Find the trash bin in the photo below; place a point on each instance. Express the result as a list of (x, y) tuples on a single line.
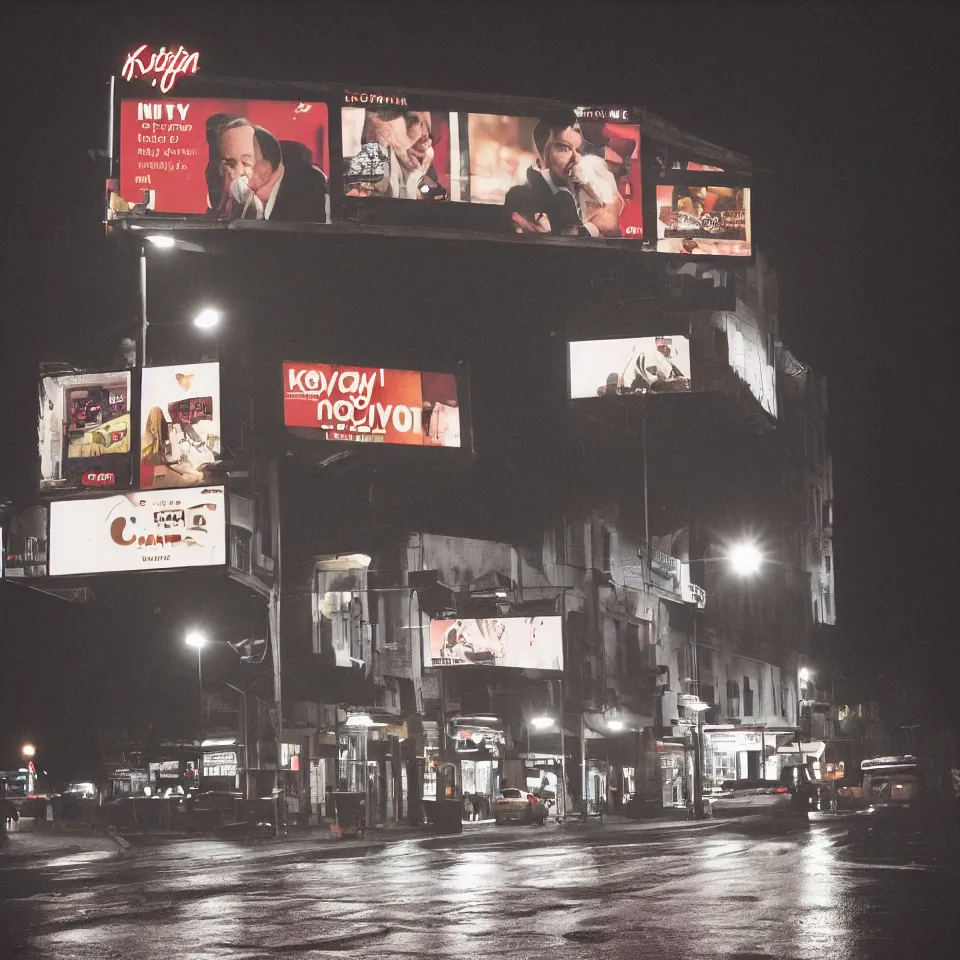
[(350, 808)]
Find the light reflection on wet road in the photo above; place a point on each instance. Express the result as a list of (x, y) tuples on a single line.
[(728, 892)]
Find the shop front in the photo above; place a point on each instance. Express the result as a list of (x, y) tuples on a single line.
[(740, 753)]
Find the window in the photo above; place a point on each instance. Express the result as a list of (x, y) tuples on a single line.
[(733, 698), (816, 612), (827, 563), (747, 698), (827, 606), (605, 546)]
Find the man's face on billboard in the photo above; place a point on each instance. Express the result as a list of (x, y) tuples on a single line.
[(409, 135), (561, 153), (240, 156)]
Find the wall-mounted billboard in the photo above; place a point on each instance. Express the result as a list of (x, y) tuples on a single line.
[(569, 173), (142, 530), (180, 426), (225, 159), (323, 401), (84, 431), (702, 220), (525, 643), (629, 365)]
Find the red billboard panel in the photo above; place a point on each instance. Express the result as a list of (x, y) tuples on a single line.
[(700, 220), (371, 404), (226, 159)]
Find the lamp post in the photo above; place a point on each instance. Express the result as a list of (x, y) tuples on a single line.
[(196, 639)]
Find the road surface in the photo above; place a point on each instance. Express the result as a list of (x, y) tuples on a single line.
[(732, 890)]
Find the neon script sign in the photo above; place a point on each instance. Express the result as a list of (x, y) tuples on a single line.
[(163, 65)]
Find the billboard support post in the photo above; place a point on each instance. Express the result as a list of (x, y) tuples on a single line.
[(143, 306), (274, 618), (646, 502)]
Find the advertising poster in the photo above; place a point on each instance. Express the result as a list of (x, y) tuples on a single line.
[(142, 530), (180, 425), (371, 404), (570, 174), (629, 365), (84, 431), (525, 643), (224, 159), (391, 150), (697, 220), (25, 543)]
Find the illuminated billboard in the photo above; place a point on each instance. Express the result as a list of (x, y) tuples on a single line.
[(629, 365), (525, 643), (180, 425), (84, 431), (565, 173), (323, 401), (558, 174), (700, 220), (224, 159), (143, 530)]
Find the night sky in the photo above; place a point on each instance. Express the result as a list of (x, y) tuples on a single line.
[(848, 111)]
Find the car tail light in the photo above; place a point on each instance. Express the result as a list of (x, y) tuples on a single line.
[(781, 790)]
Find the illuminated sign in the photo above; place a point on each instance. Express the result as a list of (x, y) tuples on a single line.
[(371, 404), (163, 66), (530, 643), (629, 365), (147, 530), (84, 431), (180, 425), (699, 220), (223, 159)]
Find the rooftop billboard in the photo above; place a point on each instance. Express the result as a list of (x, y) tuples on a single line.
[(323, 401), (146, 530), (629, 365), (84, 431), (225, 159), (704, 220), (525, 643)]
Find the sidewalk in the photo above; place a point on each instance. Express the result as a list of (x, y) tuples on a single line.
[(40, 846)]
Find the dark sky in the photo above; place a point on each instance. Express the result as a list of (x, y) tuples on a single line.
[(849, 109)]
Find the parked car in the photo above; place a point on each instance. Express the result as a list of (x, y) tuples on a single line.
[(513, 804), (790, 796), (892, 788)]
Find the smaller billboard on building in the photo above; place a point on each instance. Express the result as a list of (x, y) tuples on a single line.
[(323, 401), (525, 643), (143, 530), (180, 426), (84, 431), (629, 365), (703, 220)]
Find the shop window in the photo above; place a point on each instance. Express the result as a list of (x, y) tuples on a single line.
[(733, 698), (747, 698)]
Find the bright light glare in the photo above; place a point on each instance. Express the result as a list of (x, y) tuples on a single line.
[(615, 724), (28, 750), (195, 639), (162, 241), (541, 723), (804, 675), (360, 720), (206, 319), (746, 558)]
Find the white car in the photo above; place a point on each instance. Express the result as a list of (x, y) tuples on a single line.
[(513, 804)]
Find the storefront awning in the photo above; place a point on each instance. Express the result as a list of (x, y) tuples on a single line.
[(809, 748)]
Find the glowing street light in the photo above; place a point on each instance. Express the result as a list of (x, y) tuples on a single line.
[(196, 639), (746, 559), (542, 723), (28, 750), (162, 241), (616, 725), (207, 319)]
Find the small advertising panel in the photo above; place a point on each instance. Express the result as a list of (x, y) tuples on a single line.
[(559, 175), (629, 365), (701, 220), (391, 150), (224, 159), (142, 530), (323, 401), (525, 643), (180, 426), (25, 544), (84, 431)]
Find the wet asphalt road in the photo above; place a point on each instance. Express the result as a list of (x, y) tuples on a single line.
[(733, 891)]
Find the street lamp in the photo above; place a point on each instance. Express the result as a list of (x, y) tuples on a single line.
[(746, 559), (196, 639), (207, 319), (28, 751), (542, 723)]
